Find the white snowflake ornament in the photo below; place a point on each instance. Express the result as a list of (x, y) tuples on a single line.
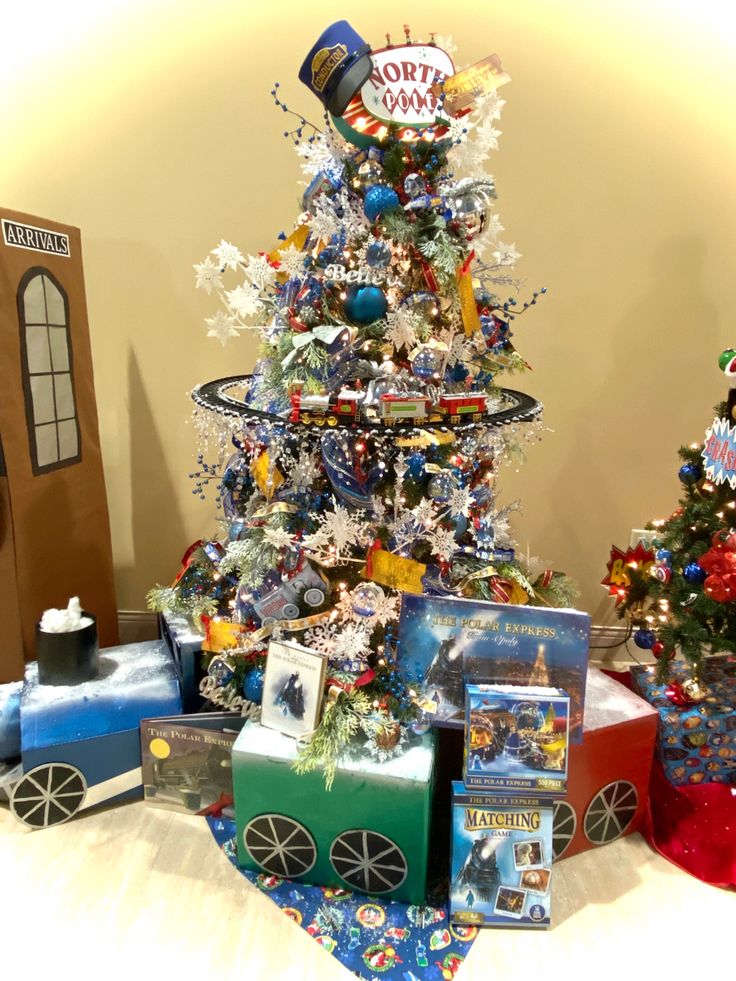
[(222, 326), (228, 255), (208, 275), (244, 300), (291, 262)]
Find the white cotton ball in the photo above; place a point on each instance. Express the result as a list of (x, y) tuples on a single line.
[(64, 621), (53, 621)]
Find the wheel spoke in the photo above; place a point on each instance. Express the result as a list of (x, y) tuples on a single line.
[(64, 783)]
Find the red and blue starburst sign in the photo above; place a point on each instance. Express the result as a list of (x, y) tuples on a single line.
[(719, 453), (617, 581)]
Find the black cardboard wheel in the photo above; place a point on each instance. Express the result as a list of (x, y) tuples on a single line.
[(368, 861), (610, 812), (48, 794), (564, 825), (280, 845)]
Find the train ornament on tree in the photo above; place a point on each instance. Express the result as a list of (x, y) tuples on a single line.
[(358, 407)]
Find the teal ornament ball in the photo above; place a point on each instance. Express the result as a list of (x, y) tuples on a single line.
[(378, 200), (365, 304)]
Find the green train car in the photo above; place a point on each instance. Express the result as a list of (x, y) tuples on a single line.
[(369, 833)]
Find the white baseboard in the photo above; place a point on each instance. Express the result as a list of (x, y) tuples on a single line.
[(606, 642)]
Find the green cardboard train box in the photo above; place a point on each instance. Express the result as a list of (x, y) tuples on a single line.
[(369, 833)]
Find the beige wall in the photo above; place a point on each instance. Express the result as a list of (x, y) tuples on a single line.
[(150, 125)]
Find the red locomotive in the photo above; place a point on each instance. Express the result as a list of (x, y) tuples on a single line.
[(325, 409)]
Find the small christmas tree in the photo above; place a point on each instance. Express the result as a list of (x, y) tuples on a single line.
[(369, 437), (686, 600)]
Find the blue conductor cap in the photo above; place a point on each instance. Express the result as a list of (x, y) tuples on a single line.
[(337, 66)]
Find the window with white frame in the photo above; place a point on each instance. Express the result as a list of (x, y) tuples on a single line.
[(48, 380)]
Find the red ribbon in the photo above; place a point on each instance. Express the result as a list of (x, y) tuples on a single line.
[(216, 808), (375, 547), (272, 262), (365, 679), (187, 559), (501, 589), (466, 265), (296, 325), (429, 277)]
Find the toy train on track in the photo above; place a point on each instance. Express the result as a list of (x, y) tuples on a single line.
[(352, 406)]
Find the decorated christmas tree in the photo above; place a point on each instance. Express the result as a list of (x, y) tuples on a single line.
[(359, 460), (683, 598)]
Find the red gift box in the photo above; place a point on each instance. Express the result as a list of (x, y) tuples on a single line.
[(608, 774)]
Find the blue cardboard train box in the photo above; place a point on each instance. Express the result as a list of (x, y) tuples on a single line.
[(445, 643), (501, 865), (516, 739), (80, 744)]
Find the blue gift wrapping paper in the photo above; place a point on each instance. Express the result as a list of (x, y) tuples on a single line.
[(695, 743)]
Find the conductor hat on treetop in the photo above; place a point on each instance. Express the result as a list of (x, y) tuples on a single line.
[(337, 66)]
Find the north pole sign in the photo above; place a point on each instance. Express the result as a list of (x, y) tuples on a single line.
[(399, 89)]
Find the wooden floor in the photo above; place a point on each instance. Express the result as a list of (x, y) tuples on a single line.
[(141, 893)]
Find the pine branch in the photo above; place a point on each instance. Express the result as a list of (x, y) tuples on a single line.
[(341, 721)]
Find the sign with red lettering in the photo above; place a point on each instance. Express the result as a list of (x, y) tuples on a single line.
[(617, 581), (399, 89), (719, 453)]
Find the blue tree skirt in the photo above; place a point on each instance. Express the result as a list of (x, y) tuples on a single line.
[(376, 939)]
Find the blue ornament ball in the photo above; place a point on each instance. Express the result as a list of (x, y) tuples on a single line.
[(694, 574), (415, 464), (253, 685), (378, 200), (663, 555), (644, 638), (365, 304), (689, 473), (378, 254)]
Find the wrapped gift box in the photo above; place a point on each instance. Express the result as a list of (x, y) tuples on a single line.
[(369, 833), (184, 642), (608, 774), (83, 741), (696, 743)]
